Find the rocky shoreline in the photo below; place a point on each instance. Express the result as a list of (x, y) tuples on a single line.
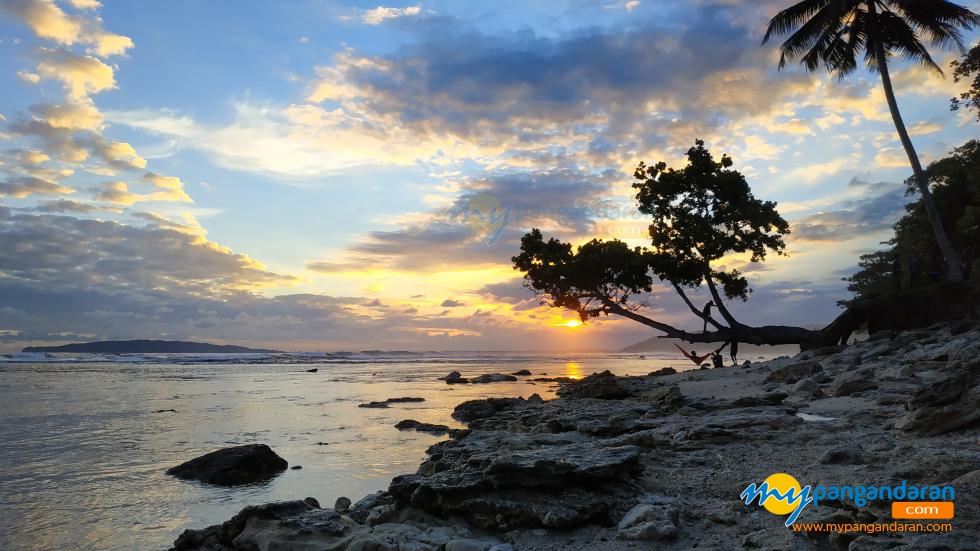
[(659, 461)]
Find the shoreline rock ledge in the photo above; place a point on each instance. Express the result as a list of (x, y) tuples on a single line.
[(658, 462)]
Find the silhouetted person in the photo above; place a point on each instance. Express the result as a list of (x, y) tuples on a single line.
[(733, 351), (706, 312), (717, 359), (693, 356)]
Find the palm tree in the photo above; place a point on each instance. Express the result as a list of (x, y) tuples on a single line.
[(835, 32)]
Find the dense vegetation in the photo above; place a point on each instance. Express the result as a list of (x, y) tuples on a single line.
[(912, 259)]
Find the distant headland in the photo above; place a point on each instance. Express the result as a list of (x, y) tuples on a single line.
[(149, 347)]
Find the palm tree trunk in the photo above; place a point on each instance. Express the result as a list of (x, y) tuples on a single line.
[(954, 267)]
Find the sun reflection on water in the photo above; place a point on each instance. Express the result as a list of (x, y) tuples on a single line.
[(573, 370)]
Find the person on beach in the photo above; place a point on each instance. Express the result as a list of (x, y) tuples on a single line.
[(733, 351), (706, 313), (717, 360), (693, 356)]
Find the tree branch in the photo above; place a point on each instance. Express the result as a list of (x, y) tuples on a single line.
[(732, 322), (696, 312)]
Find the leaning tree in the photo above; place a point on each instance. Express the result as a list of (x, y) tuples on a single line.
[(700, 214)]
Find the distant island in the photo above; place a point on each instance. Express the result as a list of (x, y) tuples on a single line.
[(149, 347)]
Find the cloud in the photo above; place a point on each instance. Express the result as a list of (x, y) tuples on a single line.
[(118, 154), (25, 186), (71, 116), (66, 206), (564, 203), (85, 4), (48, 21), (381, 14), (81, 75), (875, 210), (923, 128), (69, 252), (450, 303), (29, 77), (118, 192)]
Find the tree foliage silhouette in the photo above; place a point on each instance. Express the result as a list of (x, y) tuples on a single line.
[(836, 32), (963, 69), (700, 214)]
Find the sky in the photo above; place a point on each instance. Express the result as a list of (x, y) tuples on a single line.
[(284, 174)]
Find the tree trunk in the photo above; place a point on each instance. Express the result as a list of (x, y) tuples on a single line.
[(954, 268), (836, 332)]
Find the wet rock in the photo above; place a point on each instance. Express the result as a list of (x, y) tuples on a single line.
[(405, 399), (454, 378), (502, 480), (603, 386), (298, 526), (412, 424), (362, 509), (296, 467), (342, 504), (259, 522), (493, 378), (560, 380), (663, 371), (314, 370), (521, 373), (380, 515), (232, 466), (389, 401), (479, 409)]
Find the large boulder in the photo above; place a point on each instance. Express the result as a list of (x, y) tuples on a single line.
[(493, 378), (472, 410), (503, 480), (302, 526), (232, 466), (412, 424), (603, 386)]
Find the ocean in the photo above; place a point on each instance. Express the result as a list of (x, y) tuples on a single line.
[(86, 439)]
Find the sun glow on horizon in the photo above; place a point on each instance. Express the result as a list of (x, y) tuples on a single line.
[(571, 324)]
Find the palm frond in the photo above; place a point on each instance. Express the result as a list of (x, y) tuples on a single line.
[(898, 36), (939, 21), (793, 17)]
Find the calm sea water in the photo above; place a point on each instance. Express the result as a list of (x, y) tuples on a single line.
[(85, 443)]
